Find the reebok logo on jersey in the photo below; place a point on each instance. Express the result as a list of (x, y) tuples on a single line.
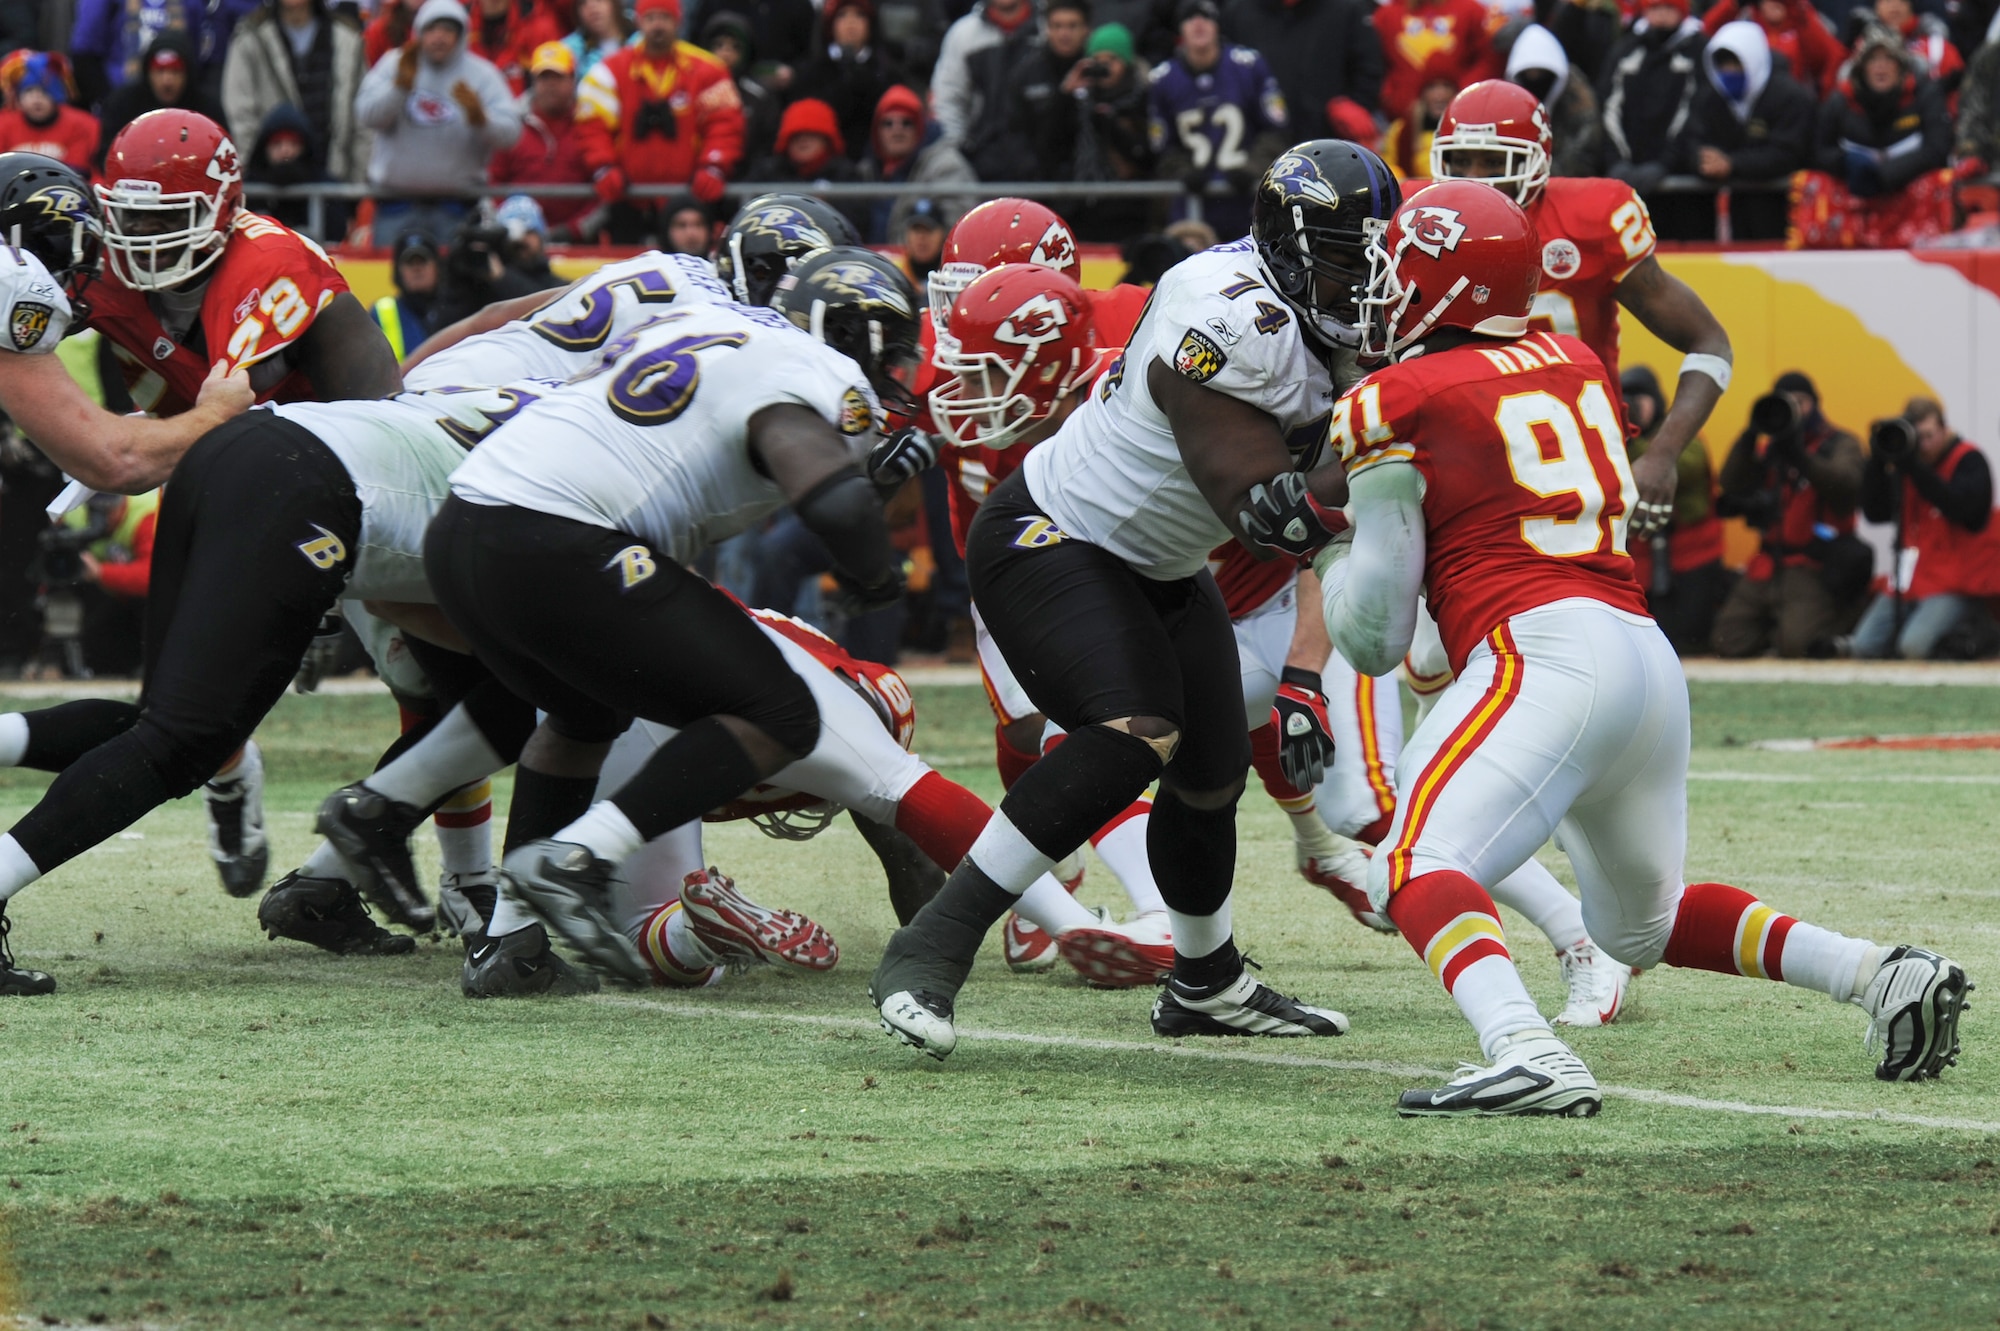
[(635, 564), (1220, 327), (29, 324), (1198, 358), (324, 550)]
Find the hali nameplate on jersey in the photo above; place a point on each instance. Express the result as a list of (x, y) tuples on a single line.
[(1198, 358)]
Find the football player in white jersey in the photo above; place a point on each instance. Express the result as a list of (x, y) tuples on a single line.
[(564, 569), (554, 334), (1089, 565), (50, 237)]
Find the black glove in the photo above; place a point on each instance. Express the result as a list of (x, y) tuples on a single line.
[(852, 599), (322, 654), (906, 453), (1283, 516), (1305, 736)]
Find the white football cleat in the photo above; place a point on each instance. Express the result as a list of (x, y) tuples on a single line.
[(1914, 1003), (1342, 871), (1246, 1007), (1532, 1073), (921, 1020), (1132, 955), (1596, 986)]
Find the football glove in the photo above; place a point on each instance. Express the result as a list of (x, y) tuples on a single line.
[(1305, 736), (906, 453), (1284, 517), (322, 655)]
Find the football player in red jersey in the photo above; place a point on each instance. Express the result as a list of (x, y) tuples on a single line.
[(192, 278), (1595, 254), (1485, 464)]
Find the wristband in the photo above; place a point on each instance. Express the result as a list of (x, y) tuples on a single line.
[(1302, 678), (1715, 367)]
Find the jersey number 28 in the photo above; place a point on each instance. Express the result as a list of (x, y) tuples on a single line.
[(1529, 424)]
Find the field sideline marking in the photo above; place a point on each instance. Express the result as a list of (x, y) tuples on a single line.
[(1884, 779), (1642, 1094)]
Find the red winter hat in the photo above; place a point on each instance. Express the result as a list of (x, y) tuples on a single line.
[(672, 7), (809, 115), (900, 98)]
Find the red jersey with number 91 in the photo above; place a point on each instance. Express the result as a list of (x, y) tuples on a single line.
[(260, 297), (1592, 232), (1526, 488)]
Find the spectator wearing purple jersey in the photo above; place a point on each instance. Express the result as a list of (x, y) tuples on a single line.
[(1216, 118)]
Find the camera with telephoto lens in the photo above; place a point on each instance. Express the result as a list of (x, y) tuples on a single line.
[(1893, 439), (58, 562), (1097, 69), (1774, 415), (655, 118)]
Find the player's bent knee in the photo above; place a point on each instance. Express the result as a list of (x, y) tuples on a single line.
[(186, 756), (1155, 732), (1207, 801)]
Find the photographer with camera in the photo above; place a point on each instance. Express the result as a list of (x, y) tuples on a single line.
[(1796, 479), (95, 567), (1938, 490), (1680, 565)]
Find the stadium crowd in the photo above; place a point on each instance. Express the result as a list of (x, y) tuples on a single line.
[(1845, 127)]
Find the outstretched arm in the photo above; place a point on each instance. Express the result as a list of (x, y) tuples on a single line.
[(116, 454), (1370, 577), (1671, 311), (484, 321), (814, 466), (346, 356)]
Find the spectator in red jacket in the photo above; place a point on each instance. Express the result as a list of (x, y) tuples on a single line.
[(1795, 32), (550, 150), (1422, 36), (390, 28), (508, 37), (662, 112), (1926, 36), (41, 120)]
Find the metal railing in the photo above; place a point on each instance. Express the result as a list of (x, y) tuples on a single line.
[(317, 195)]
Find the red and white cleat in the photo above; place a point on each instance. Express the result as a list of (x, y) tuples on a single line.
[(1029, 947), (1596, 986), (1342, 874), (1133, 955), (736, 928)]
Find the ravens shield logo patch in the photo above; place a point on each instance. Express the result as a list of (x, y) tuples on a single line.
[(29, 324), (1198, 358)]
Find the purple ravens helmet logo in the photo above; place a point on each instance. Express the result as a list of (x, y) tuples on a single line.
[(869, 287), (64, 202), (788, 226)]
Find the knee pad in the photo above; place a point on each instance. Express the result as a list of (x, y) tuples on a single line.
[(1155, 732)]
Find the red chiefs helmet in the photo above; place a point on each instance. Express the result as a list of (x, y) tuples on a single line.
[(1459, 255), (996, 232), (173, 186), (1021, 340), (1495, 116)]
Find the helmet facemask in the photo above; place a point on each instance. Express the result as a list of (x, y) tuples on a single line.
[(155, 241), (945, 284), (981, 403), (1319, 273), (1524, 167), (1386, 304)]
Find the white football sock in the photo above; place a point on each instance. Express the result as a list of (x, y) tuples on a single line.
[(1534, 892), (1007, 857), (1490, 994), (1048, 907), (326, 862), (454, 754), (1834, 964), (465, 830), (13, 739), (1199, 935), (606, 830), (1123, 850), (16, 869), (684, 947), (508, 917)]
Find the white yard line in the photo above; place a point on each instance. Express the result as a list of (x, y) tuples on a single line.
[(1877, 779), (1643, 1095)]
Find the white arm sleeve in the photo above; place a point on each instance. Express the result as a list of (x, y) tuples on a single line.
[(1369, 584)]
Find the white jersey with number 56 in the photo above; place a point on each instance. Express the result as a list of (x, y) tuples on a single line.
[(568, 334), (1113, 475), (654, 442)]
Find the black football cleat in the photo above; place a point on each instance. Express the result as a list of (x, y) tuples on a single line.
[(329, 914), (19, 981), (1245, 1007), (519, 965), (373, 832)]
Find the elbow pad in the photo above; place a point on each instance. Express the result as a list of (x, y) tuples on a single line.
[(844, 511)]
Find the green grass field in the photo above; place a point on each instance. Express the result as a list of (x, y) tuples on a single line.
[(204, 1129)]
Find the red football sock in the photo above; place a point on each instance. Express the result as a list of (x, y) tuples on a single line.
[(943, 818), (1450, 921), (1723, 928), (1011, 761)]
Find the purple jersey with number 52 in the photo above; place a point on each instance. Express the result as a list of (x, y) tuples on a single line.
[(1214, 116)]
